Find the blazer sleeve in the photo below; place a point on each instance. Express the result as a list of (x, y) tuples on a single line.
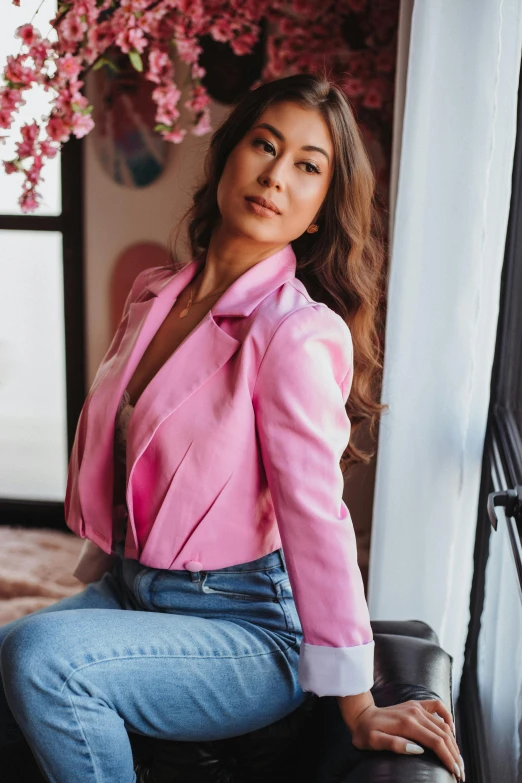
[(299, 398)]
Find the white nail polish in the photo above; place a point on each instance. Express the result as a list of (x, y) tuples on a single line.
[(411, 747), (457, 770)]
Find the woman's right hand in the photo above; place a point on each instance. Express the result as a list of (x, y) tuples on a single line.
[(424, 721)]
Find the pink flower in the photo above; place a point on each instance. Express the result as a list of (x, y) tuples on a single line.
[(166, 96), (29, 200), (199, 99), (24, 149), (86, 8), (33, 174), (197, 72), (30, 132), (203, 125), (81, 100), (188, 49), (221, 30), (39, 51), (131, 38), (72, 28), (10, 166), (69, 68), (100, 36), (244, 44), (167, 116), (57, 129), (176, 135), (18, 73), (160, 66), (11, 98), (137, 39), (82, 124), (47, 149), (29, 34), (6, 118)]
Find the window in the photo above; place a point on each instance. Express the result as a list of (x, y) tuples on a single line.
[(41, 315), (491, 687)]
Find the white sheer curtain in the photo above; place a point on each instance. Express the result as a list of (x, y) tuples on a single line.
[(450, 223)]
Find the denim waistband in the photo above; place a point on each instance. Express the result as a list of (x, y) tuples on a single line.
[(271, 560)]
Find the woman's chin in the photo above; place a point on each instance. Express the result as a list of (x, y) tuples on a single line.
[(252, 230)]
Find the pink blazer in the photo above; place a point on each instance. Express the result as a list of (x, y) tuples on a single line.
[(233, 450)]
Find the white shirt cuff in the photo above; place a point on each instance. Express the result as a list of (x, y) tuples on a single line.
[(336, 671)]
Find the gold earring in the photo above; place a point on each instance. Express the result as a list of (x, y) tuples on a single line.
[(312, 228)]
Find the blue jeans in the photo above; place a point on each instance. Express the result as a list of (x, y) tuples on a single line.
[(167, 654)]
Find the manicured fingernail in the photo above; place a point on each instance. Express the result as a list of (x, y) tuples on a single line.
[(457, 770), (436, 714), (411, 747), (462, 768)]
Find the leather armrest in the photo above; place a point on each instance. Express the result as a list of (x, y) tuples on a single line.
[(405, 628), (406, 667)]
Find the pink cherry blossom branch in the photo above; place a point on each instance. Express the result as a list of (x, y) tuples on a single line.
[(305, 36)]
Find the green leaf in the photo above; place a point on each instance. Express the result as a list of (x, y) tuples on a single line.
[(105, 61), (136, 60), (99, 64), (87, 110), (161, 127)]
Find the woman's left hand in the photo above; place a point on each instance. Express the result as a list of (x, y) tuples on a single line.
[(425, 721)]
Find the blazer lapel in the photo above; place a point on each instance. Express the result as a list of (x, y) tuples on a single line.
[(206, 349), (96, 477)]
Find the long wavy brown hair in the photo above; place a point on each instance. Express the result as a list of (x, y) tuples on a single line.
[(342, 264)]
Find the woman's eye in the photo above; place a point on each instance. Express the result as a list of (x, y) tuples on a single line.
[(315, 169), (266, 143)]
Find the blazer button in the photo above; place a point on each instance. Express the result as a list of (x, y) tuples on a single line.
[(193, 565)]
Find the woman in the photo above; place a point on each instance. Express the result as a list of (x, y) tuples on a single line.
[(227, 383)]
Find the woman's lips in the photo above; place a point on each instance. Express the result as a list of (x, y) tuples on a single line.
[(257, 209)]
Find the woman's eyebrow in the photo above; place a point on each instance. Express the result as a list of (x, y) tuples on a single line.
[(277, 133)]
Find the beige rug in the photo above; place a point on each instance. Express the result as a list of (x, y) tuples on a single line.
[(36, 568)]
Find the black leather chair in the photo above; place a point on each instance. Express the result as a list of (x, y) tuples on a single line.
[(312, 744)]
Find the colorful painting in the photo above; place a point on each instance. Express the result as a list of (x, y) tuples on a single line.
[(129, 149)]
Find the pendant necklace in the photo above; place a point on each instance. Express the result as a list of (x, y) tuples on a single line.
[(185, 310)]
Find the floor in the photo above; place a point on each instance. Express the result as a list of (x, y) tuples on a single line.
[(35, 569)]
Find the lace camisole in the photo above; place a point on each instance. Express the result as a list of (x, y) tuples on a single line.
[(120, 512)]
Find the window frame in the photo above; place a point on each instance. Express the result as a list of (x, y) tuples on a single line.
[(70, 223)]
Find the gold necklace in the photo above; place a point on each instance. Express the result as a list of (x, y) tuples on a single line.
[(185, 310)]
